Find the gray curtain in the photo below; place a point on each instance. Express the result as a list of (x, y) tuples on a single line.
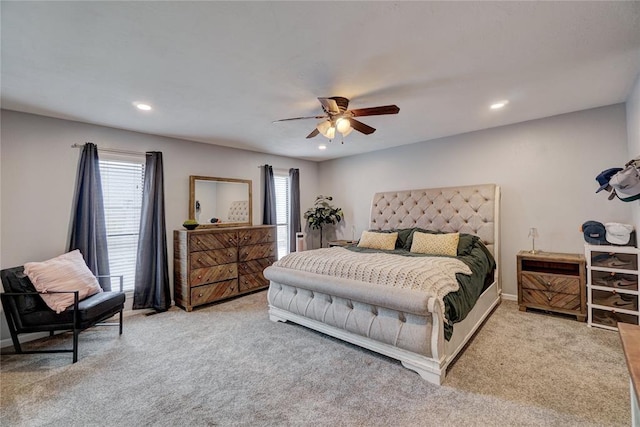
[(294, 206), (88, 229), (152, 269), (269, 213)]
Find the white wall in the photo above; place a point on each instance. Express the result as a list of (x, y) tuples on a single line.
[(633, 137), (546, 169), (38, 172)]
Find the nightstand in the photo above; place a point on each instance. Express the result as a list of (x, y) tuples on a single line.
[(332, 243), (552, 282)]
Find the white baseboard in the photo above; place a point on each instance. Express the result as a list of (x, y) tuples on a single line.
[(509, 297), (7, 342)]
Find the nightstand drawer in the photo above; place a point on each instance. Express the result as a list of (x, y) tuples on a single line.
[(551, 282), (551, 300)]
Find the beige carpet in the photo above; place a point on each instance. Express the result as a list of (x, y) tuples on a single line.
[(227, 364)]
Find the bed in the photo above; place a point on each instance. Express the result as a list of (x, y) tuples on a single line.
[(403, 323)]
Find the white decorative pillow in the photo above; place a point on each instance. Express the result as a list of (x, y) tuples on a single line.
[(373, 240), (67, 272), (435, 244)]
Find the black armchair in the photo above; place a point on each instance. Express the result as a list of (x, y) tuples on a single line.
[(26, 312)]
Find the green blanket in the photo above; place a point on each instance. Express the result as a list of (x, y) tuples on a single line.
[(458, 304)]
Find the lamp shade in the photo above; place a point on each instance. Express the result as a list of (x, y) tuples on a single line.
[(326, 129), (343, 125)]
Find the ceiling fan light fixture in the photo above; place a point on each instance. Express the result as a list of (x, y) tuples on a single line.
[(343, 125), (326, 129)]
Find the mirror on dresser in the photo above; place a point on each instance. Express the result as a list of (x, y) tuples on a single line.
[(220, 202)]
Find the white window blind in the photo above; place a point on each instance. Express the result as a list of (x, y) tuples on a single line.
[(122, 183), (281, 181)]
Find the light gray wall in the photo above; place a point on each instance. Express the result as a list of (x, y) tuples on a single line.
[(546, 169), (633, 137), (38, 172)]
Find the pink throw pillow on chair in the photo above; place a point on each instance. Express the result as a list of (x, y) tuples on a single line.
[(67, 272)]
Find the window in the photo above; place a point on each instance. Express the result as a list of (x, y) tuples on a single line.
[(281, 181), (122, 183)]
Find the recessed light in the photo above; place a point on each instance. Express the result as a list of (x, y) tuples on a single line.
[(322, 147), (141, 106), (498, 105)]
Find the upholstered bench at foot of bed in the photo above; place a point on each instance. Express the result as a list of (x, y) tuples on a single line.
[(400, 329), (402, 324)]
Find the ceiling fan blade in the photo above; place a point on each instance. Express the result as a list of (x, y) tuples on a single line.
[(315, 132), (300, 118), (329, 105), (375, 111), (343, 103), (361, 127)]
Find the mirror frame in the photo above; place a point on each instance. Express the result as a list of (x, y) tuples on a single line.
[(192, 200)]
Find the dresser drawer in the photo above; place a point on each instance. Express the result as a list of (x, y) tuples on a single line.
[(618, 261), (252, 281), (208, 293), (552, 300), (615, 300), (550, 282), (628, 282), (252, 237), (255, 266), (200, 276), (214, 257), (207, 241), (611, 318), (263, 250)]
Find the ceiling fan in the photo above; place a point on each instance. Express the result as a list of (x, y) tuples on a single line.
[(338, 118)]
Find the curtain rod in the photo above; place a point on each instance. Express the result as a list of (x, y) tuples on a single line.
[(113, 150)]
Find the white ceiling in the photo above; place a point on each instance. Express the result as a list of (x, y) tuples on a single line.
[(221, 72)]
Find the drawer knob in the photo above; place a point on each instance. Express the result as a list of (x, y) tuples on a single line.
[(229, 254), (231, 270), (549, 298), (199, 277), (200, 294), (246, 238)]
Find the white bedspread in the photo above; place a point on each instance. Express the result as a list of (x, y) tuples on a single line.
[(434, 275)]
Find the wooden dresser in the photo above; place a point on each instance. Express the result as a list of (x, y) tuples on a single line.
[(552, 282), (217, 263)]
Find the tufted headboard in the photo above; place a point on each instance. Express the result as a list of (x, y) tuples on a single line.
[(239, 211), (472, 209)]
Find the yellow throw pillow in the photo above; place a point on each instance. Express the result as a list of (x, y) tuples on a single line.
[(373, 240), (435, 244)]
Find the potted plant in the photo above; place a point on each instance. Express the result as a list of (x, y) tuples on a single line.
[(190, 224), (322, 213)]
